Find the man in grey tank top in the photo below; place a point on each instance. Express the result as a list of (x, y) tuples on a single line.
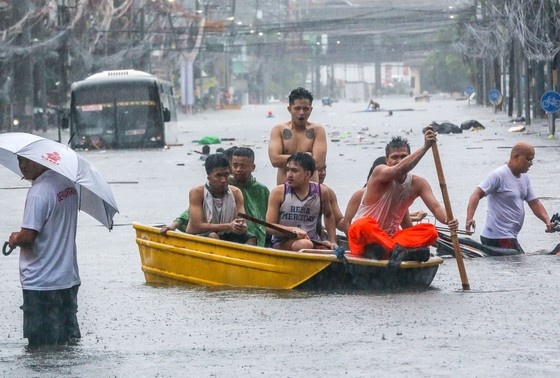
[(296, 207)]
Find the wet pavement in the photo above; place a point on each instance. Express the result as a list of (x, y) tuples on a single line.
[(506, 325)]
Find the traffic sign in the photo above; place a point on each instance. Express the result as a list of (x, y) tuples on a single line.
[(494, 96), (550, 101), (469, 90)]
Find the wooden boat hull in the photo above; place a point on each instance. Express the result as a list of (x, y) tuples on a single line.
[(180, 258)]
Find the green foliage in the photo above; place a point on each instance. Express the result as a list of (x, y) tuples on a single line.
[(446, 71)]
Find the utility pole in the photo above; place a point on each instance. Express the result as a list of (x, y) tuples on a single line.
[(63, 13), (23, 75)]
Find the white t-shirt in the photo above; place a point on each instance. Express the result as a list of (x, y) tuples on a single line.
[(506, 194), (51, 209)]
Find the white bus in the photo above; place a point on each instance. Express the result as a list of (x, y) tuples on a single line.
[(122, 109)]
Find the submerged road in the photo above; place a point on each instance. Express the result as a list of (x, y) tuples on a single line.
[(505, 326)]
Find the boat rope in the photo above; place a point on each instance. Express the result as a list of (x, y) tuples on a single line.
[(6, 250)]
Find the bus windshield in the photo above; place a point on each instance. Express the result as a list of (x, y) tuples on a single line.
[(117, 114)]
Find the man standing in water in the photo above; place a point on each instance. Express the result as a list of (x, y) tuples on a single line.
[(507, 188), (47, 262), (297, 135)]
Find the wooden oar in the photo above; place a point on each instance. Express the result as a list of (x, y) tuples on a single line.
[(453, 233), (276, 228)]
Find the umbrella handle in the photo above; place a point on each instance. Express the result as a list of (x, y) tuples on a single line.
[(6, 250)]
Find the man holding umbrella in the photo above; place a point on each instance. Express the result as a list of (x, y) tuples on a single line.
[(62, 183), (48, 265)]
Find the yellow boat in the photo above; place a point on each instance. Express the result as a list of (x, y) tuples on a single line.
[(179, 258)]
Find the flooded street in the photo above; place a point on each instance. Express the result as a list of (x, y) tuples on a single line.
[(506, 325)]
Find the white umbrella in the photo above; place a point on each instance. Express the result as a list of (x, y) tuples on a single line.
[(96, 197)]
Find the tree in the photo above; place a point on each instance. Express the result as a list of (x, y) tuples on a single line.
[(446, 71)]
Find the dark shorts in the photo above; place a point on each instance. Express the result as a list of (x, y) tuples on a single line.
[(49, 317), (236, 238), (502, 243)]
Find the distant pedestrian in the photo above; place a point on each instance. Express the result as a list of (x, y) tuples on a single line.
[(374, 106), (205, 152)]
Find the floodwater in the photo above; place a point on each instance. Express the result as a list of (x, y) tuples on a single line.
[(506, 325)]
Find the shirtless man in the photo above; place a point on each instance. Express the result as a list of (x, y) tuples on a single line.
[(297, 135)]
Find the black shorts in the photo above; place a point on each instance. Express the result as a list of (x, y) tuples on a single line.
[(236, 238), (502, 243), (49, 317)]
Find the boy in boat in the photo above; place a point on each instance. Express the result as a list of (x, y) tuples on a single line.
[(255, 194), (389, 192), (297, 205), (507, 188), (213, 207), (297, 135)]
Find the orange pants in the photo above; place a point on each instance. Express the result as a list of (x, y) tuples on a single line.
[(366, 231)]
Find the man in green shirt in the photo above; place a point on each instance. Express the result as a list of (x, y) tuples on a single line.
[(255, 194)]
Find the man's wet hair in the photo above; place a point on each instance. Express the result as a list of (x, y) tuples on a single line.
[(396, 143), (300, 94), (229, 152), (206, 149), (244, 152), (304, 160), (215, 161)]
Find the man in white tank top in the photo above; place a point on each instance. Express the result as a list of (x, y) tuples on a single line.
[(390, 190)]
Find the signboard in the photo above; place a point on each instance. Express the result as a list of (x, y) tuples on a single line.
[(550, 101), (494, 96), (469, 90)]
